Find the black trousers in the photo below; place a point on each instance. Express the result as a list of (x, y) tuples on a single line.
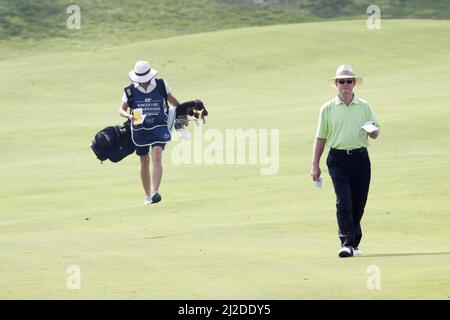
[(350, 172)]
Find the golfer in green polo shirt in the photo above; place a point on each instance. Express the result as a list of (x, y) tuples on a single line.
[(345, 123)]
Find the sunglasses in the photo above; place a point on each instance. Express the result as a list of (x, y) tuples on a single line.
[(344, 81)]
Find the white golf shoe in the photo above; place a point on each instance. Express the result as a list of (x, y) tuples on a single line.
[(357, 252), (155, 197), (346, 252), (147, 200)]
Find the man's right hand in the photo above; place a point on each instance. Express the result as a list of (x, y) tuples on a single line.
[(315, 172)]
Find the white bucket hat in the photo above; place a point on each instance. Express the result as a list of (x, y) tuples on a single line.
[(345, 71), (142, 72)]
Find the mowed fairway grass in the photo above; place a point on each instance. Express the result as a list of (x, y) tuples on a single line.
[(226, 231)]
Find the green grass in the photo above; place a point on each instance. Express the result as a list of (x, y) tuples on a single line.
[(116, 22), (226, 232), (28, 27)]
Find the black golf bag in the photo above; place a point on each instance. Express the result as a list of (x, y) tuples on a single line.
[(113, 143)]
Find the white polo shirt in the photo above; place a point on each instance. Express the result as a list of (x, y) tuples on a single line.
[(150, 88)]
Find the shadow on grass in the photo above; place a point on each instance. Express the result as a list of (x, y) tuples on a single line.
[(404, 254)]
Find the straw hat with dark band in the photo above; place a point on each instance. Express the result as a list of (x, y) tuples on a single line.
[(142, 72), (345, 71)]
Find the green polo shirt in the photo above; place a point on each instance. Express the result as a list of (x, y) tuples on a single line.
[(340, 125)]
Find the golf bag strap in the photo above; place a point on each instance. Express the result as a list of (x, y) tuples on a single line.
[(129, 95), (161, 86)]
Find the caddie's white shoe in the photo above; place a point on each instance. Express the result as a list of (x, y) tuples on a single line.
[(155, 197), (147, 200), (357, 252), (346, 252)]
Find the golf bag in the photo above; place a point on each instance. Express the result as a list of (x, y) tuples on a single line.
[(113, 143)]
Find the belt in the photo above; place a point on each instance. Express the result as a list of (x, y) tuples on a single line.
[(349, 152)]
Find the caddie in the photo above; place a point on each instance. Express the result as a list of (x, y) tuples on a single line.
[(146, 104)]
